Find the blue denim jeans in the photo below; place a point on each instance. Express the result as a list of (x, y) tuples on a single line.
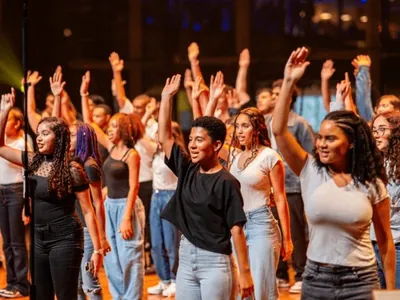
[(164, 238), (13, 232), (381, 274), (88, 285), (337, 283), (125, 263), (264, 242), (205, 275)]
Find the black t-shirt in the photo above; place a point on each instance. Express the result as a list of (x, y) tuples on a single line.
[(93, 172), (48, 207), (205, 206)]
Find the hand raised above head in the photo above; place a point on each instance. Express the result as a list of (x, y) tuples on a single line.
[(171, 86)]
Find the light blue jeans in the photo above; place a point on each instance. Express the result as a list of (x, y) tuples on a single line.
[(88, 285), (164, 238), (381, 274), (205, 275), (264, 242), (125, 263)]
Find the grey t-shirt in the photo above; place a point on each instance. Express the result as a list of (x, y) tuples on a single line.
[(339, 218)]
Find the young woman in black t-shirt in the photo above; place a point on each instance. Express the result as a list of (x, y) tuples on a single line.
[(56, 182), (207, 209)]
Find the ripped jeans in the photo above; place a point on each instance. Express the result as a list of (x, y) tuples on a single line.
[(88, 285)]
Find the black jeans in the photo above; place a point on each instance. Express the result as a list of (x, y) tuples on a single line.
[(58, 256), (145, 193), (13, 232), (338, 282), (299, 239)]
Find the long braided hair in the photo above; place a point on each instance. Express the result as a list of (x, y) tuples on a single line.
[(86, 143), (59, 178), (259, 135), (364, 159)]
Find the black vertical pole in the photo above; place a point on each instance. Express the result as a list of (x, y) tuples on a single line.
[(28, 206)]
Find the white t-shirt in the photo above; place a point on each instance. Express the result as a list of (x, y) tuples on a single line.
[(146, 160), (339, 218), (9, 172), (254, 180), (163, 178), (127, 108)]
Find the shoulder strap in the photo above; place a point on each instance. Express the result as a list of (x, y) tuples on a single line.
[(125, 155)]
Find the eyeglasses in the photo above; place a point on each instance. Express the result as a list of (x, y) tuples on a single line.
[(380, 131)]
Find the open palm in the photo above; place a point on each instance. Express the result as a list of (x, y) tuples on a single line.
[(171, 86), (296, 64), (217, 85)]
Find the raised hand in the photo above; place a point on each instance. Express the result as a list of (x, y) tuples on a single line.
[(327, 70), (84, 90), (7, 102), (113, 87), (233, 99), (171, 86), (244, 59), (193, 52), (361, 60), (296, 64), (343, 89), (188, 80), (56, 83), (217, 85), (152, 107), (198, 88), (117, 64), (32, 78)]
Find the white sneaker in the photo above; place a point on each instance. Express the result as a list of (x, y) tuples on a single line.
[(296, 288), (170, 290), (157, 289), (283, 283)]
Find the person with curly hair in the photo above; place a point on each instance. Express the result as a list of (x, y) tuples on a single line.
[(386, 130), (56, 182), (125, 216), (343, 189), (260, 171)]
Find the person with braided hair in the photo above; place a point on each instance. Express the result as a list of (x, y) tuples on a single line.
[(56, 182), (343, 189), (386, 130), (260, 170)]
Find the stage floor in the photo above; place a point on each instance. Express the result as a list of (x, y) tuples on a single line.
[(150, 280)]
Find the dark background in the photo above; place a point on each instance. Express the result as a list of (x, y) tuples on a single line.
[(152, 37)]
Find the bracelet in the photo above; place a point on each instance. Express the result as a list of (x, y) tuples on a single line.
[(84, 95), (100, 252)]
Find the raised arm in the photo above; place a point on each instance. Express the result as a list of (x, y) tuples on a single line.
[(8, 153), (290, 149), (33, 117), (241, 79), (165, 115), (217, 87), (362, 64), (193, 55), (117, 66), (57, 87), (326, 74), (102, 138), (188, 84), (197, 90)]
